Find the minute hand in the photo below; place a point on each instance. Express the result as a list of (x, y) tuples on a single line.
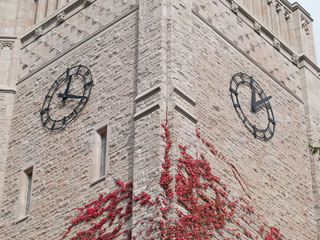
[(69, 77), (71, 96)]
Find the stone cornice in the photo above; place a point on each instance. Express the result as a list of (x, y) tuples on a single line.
[(296, 6), (54, 20), (7, 42)]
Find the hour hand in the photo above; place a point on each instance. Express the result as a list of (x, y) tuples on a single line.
[(65, 96), (255, 104)]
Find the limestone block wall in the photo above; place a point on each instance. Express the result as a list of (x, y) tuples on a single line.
[(62, 160), (9, 61), (212, 40), (151, 60)]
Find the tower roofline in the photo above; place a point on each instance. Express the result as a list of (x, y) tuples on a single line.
[(294, 6)]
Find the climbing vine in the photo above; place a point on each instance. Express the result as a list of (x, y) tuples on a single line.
[(315, 150), (197, 205)]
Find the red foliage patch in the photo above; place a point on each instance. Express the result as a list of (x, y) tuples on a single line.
[(204, 205)]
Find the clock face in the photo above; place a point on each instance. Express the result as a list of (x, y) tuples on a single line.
[(252, 106), (66, 97)]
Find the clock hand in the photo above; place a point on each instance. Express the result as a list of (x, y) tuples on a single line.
[(254, 102), (257, 104), (65, 96), (253, 99), (68, 85)]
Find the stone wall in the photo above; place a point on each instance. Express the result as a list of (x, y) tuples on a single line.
[(62, 160), (151, 60), (216, 42)]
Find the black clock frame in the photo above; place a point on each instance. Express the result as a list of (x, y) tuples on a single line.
[(87, 81), (261, 134)]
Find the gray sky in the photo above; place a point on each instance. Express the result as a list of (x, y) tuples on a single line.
[(313, 7)]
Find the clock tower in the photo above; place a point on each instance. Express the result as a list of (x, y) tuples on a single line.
[(182, 110)]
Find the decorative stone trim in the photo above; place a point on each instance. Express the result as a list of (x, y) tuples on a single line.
[(295, 59), (276, 44), (38, 32), (278, 7), (88, 2), (6, 44), (196, 8), (287, 15), (61, 17), (305, 25), (257, 27), (234, 7), (269, 2)]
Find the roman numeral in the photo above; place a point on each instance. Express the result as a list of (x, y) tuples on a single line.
[(244, 120), (272, 120), (64, 121), (44, 111), (54, 123), (234, 91), (46, 121), (88, 83), (78, 70), (255, 131)]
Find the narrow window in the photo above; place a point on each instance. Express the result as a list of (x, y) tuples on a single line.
[(25, 193), (103, 151), (99, 154), (28, 196)]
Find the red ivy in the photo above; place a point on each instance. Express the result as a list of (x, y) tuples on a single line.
[(205, 207)]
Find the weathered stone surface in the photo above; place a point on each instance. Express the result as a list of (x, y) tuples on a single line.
[(149, 59)]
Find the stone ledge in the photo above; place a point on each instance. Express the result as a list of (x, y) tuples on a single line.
[(306, 62), (101, 179), (185, 96), (8, 90), (146, 111), (148, 93), (22, 219), (185, 113)]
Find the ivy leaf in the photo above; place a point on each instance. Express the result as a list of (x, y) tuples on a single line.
[(314, 150)]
